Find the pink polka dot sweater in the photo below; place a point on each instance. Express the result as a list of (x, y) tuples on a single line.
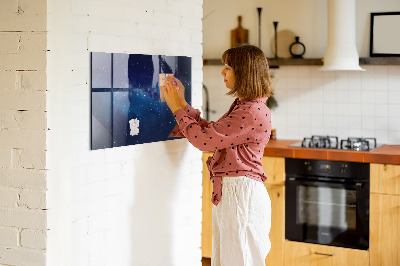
[(238, 139)]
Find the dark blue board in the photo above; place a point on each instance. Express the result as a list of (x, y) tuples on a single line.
[(126, 108)]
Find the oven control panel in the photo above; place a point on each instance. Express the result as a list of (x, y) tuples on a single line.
[(325, 167), (338, 169)]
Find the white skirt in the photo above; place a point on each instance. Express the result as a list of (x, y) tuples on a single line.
[(241, 223)]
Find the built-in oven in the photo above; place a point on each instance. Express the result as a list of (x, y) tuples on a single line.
[(327, 202)]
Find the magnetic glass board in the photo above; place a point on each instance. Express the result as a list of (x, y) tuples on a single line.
[(127, 107)]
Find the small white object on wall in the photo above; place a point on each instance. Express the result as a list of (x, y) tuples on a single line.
[(134, 126)]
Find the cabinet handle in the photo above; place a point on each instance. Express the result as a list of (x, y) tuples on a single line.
[(324, 254)]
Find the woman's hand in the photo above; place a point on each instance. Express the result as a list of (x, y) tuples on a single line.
[(181, 91), (172, 95)]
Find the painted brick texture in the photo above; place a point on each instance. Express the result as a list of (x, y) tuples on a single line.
[(114, 207), (135, 205), (23, 125)]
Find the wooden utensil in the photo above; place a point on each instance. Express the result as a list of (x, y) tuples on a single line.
[(239, 35)]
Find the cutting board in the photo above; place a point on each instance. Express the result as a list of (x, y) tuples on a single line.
[(239, 35)]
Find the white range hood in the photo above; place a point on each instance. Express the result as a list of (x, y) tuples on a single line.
[(341, 51)]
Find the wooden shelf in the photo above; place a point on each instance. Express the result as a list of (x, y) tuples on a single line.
[(273, 63), (380, 61), (212, 62)]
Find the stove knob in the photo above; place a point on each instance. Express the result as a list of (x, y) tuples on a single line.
[(343, 168), (308, 166)]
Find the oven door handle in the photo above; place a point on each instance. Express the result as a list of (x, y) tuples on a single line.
[(357, 185)]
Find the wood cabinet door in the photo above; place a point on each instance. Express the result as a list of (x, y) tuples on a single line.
[(277, 233), (274, 168), (206, 225), (384, 236), (304, 254), (385, 178)]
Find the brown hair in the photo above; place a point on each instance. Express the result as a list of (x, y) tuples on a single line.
[(250, 66)]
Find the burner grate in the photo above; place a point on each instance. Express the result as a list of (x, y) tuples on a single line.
[(358, 144), (332, 142), (327, 142)]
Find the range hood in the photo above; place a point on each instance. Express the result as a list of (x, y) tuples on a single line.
[(341, 51)]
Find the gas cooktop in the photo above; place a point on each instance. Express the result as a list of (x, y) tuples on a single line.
[(332, 142)]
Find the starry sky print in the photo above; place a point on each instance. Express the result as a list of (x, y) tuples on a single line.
[(125, 87)]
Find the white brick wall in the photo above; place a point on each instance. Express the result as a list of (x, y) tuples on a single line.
[(8, 197), (135, 205), (33, 239), (9, 237), (11, 256), (23, 132)]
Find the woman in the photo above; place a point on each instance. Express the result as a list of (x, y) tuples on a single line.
[(242, 211)]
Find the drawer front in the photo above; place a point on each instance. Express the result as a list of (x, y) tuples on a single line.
[(297, 253)]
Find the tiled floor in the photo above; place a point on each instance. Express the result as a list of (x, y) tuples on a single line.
[(206, 261)]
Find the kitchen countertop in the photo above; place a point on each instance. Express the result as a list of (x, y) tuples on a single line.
[(389, 154)]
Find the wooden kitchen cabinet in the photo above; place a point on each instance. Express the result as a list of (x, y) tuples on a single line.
[(384, 215), (206, 225), (274, 168), (384, 236), (305, 254), (277, 233), (385, 178)]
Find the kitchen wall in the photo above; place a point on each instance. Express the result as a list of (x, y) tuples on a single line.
[(343, 103), (60, 202)]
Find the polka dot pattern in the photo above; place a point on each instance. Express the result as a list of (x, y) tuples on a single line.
[(238, 139)]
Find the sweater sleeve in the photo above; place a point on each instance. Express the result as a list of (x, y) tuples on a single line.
[(193, 113), (230, 131)]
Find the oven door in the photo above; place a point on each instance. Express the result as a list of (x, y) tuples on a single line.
[(327, 213)]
